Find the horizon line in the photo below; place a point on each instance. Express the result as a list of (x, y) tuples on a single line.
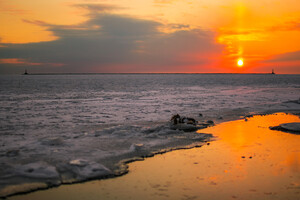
[(124, 73), (112, 73)]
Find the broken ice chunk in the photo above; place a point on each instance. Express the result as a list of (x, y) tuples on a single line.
[(80, 169), (136, 147), (293, 127)]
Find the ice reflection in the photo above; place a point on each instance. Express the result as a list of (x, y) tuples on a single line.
[(252, 139), (248, 161)]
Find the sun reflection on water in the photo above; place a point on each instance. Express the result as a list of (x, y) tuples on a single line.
[(247, 161)]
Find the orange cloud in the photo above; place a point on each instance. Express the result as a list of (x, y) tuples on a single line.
[(20, 61), (16, 61)]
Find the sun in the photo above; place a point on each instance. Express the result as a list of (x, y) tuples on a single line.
[(240, 62)]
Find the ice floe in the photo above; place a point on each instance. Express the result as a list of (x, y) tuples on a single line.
[(293, 127), (80, 169)]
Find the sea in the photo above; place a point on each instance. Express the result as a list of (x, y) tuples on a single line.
[(65, 128)]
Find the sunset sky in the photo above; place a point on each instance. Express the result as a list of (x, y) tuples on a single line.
[(173, 36)]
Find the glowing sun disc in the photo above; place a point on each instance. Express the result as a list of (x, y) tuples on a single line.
[(240, 62)]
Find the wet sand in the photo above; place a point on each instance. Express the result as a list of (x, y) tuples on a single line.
[(246, 161)]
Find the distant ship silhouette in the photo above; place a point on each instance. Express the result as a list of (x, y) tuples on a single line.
[(25, 73), (273, 71)]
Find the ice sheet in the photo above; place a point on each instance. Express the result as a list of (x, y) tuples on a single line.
[(71, 128)]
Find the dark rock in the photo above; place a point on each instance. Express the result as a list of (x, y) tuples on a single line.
[(183, 123), (210, 122)]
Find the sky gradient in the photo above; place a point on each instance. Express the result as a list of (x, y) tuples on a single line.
[(149, 36)]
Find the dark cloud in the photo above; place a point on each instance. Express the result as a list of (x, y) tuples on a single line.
[(125, 27), (286, 57), (113, 43), (92, 8)]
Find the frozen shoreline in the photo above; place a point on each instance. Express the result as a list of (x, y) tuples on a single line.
[(64, 129), (247, 161), (104, 152), (78, 165)]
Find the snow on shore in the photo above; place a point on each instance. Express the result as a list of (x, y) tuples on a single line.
[(77, 128)]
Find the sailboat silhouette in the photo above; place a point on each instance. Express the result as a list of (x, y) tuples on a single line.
[(25, 73)]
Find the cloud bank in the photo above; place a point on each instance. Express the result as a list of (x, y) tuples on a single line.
[(110, 43), (286, 57)]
